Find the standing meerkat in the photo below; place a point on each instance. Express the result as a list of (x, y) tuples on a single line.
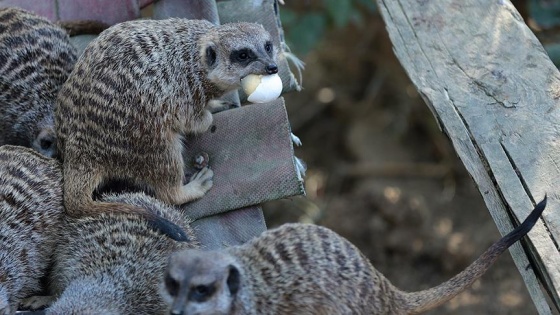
[(36, 57), (133, 95), (114, 263), (30, 211), (306, 269)]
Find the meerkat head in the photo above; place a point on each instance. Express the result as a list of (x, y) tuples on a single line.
[(201, 282), (230, 52)]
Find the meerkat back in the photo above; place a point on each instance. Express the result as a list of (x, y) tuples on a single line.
[(36, 58), (133, 95), (30, 212), (114, 263)]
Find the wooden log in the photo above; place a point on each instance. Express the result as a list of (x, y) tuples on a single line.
[(495, 93)]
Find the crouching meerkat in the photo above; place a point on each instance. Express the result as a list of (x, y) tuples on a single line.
[(30, 212), (114, 263), (306, 269), (133, 95), (36, 57)]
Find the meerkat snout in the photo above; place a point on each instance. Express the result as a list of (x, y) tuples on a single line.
[(207, 289), (271, 68)]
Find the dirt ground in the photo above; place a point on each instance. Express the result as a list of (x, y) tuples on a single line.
[(381, 174)]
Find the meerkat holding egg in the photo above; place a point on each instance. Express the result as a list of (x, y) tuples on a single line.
[(36, 57), (31, 211), (133, 95), (306, 269)]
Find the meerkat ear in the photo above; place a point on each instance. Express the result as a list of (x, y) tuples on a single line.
[(233, 280), (210, 55)]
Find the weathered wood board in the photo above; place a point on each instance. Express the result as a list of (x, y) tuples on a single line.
[(496, 94)]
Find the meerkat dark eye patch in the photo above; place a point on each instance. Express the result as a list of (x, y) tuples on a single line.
[(243, 56), (233, 280), (171, 285), (46, 144), (210, 56), (201, 293)]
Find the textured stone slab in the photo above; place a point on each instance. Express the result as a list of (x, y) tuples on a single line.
[(251, 154)]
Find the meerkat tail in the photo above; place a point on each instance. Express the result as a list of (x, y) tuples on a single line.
[(155, 221), (417, 302), (79, 202)]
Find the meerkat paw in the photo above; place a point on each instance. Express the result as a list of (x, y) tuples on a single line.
[(199, 184), (204, 178), (216, 106), (37, 302), (296, 140)]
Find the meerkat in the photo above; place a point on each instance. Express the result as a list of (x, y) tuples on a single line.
[(133, 95), (306, 269), (36, 58), (30, 211), (114, 263)]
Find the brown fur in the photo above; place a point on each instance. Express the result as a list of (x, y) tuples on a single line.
[(113, 263), (30, 211), (306, 269), (36, 57), (134, 94)]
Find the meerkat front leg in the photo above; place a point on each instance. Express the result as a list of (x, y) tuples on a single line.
[(201, 124), (216, 106)]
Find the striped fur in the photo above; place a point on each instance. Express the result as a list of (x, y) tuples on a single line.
[(30, 211), (306, 269), (36, 57), (135, 92), (114, 263)]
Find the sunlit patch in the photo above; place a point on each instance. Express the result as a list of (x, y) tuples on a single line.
[(392, 194), (326, 95)]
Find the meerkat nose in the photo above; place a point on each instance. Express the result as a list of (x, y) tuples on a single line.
[(271, 69)]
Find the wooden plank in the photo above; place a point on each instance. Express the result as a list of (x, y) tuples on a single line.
[(495, 93)]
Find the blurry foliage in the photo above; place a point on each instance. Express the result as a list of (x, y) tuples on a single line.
[(544, 19), (306, 22), (546, 13)]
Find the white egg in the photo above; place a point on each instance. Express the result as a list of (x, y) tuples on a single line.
[(262, 88)]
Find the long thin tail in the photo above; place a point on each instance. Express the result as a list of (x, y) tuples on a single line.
[(79, 184), (417, 302), (154, 221)]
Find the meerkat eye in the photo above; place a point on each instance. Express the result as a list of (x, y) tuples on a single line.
[(201, 293), (268, 47), (46, 144), (242, 56)]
